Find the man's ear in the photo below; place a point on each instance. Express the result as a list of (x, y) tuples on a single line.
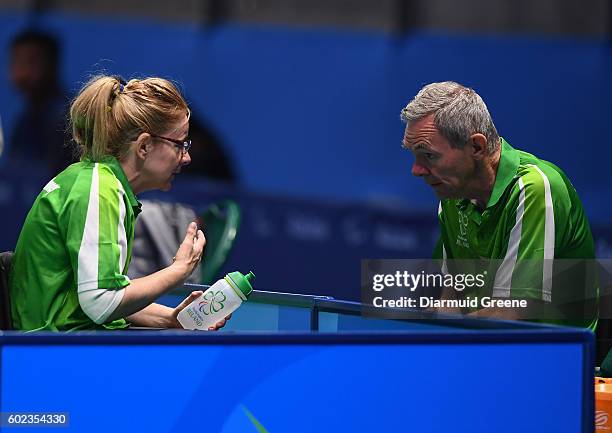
[(143, 145), (478, 143)]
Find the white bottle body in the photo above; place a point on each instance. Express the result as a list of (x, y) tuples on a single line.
[(216, 303)]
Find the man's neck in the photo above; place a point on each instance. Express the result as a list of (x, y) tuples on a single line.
[(486, 180)]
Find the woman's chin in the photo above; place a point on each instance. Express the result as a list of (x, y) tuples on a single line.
[(167, 186)]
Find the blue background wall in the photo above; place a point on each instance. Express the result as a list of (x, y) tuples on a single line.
[(311, 117), (315, 112)]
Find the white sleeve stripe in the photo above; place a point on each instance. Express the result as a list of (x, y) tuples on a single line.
[(121, 236), (503, 277), (444, 260), (501, 292), (88, 251), (549, 239), (87, 285), (444, 255), (99, 304), (111, 305)]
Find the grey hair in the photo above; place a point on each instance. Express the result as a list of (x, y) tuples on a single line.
[(458, 112)]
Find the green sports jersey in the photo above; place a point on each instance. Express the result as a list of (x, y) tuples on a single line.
[(533, 216), (77, 236)]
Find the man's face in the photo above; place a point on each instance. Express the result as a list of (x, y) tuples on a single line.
[(446, 169), (30, 70)]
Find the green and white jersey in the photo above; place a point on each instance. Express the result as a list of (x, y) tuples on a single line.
[(533, 216), (77, 237)]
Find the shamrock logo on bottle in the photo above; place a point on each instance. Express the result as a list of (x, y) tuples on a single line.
[(212, 302)]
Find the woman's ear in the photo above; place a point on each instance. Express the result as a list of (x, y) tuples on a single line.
[(143, 145)]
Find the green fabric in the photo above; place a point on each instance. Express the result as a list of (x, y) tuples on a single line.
[(221, 223), (606, 366), (551, 224), (54, 258)]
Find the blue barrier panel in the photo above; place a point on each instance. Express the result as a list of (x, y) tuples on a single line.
[(537, 380)]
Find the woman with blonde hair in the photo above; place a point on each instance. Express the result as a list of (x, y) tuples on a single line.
[(69, 271)]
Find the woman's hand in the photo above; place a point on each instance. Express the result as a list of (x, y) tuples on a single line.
[(188, 300), (189, 254)]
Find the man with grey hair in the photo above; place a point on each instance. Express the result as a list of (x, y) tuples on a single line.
[(499, 203)]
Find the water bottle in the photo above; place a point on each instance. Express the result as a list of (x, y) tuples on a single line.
[(216, 303)]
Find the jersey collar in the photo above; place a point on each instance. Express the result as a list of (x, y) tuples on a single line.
[(115, 166), (506, 171)]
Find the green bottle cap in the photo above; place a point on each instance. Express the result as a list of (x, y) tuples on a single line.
[(241, 282)]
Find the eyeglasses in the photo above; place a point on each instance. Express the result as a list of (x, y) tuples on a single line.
[(182, 145)]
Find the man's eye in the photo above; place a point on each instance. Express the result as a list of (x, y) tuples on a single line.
[(430, 156)]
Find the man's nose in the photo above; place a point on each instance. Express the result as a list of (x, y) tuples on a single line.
[(419, 169)]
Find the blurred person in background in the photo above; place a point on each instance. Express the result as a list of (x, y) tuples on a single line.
[(39, 135), (501, 204), (70, 266)]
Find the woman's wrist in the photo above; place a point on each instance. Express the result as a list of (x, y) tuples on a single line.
[(169, 319), (180, 271)]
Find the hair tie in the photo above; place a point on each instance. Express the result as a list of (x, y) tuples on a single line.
[(121, 81)]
